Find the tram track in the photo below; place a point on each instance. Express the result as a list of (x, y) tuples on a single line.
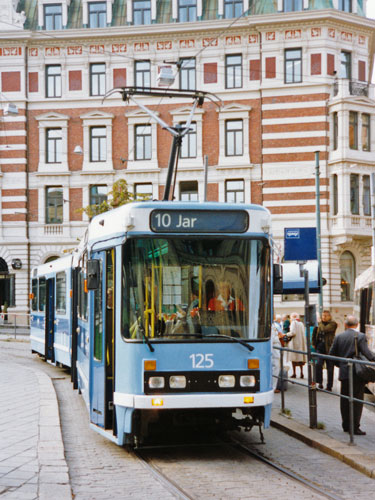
[(170, 485), (238, 446), (251, 452)]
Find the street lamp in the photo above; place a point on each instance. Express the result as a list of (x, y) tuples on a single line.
[(318, 230)]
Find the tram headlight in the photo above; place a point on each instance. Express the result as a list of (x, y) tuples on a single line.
[(177, 382), (247, 381), (226, 381), (156, 382)]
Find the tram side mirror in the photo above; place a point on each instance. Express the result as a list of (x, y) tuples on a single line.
[(277, 278), (93, 273)]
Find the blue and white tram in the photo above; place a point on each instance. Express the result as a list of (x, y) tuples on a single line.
[(162, 345), (51, 310)]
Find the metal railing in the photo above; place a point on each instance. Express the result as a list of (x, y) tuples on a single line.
[(14, 324), (313, 387)]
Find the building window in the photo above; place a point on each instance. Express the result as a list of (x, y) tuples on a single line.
[(366, 195), (354, 194), (142, 72), (366, 132), (189, 191), (54, 205), (335, 201), (98, 144), (98, 194), (53, 17), (97, 14), (347, 269), (235, 191), (53, 145), (293, 65), (143, 191), (187, 11), (233, 8), (346, 65), (142, 142), (141, 12), (233, 71), (187, 73), (97, 79), (292, 5), (335, 131), (353, 130), (345, 5), (53, 81), (233, 138), (189, 142)]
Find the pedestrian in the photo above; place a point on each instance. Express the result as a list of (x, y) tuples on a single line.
[(276, 332), (297, 342), (286, 323), (322, 341), (344, 347)]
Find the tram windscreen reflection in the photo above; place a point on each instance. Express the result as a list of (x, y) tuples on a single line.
[(191, 288)]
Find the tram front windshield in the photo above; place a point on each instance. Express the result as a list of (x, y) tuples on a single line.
[(175, 289)]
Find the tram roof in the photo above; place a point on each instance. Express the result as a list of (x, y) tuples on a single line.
[(134, 217), (54, 266), (365, 279)]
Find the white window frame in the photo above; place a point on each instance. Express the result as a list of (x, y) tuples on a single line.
[(97, 119), (85, 11), (64, 6), (129, 11), (181, 115), (234, 112), (139, 117), (53, 120)]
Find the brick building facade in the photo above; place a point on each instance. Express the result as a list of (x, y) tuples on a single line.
[(292, 76)]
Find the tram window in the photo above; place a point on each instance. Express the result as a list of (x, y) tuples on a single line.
[(98, 319), (174, 288), (61, 293), (42, 294), (82, 297), (34, 300)]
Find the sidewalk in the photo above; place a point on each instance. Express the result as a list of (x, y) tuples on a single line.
[(331, 440), (32, 461)]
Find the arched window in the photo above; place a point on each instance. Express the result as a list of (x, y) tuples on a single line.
[(52, 258), (347, 270)]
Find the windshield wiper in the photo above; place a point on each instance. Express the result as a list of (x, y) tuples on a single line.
[(218, 336), (147, 340)]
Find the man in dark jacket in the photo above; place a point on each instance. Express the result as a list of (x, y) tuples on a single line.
[(344, 347), (322, 340)]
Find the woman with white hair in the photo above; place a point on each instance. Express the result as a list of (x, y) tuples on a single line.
[(297, 342)]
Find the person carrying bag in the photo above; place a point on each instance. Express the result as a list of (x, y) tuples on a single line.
[(364, 372)]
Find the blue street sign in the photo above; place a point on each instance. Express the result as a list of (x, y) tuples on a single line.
[(300, 244)]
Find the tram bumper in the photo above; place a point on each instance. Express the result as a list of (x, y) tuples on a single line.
[(179, 401)]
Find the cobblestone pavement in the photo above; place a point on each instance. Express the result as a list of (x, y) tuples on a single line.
[(98, 469)]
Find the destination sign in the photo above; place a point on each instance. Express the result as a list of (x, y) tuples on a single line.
[(199, 221)]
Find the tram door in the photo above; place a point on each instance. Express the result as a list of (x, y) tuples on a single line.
[(102, 372), (50, 320)]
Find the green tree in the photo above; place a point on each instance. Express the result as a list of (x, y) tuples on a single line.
[(119, 195)]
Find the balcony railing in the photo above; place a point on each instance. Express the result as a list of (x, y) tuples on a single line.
[(53, 229), (354, 87)]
